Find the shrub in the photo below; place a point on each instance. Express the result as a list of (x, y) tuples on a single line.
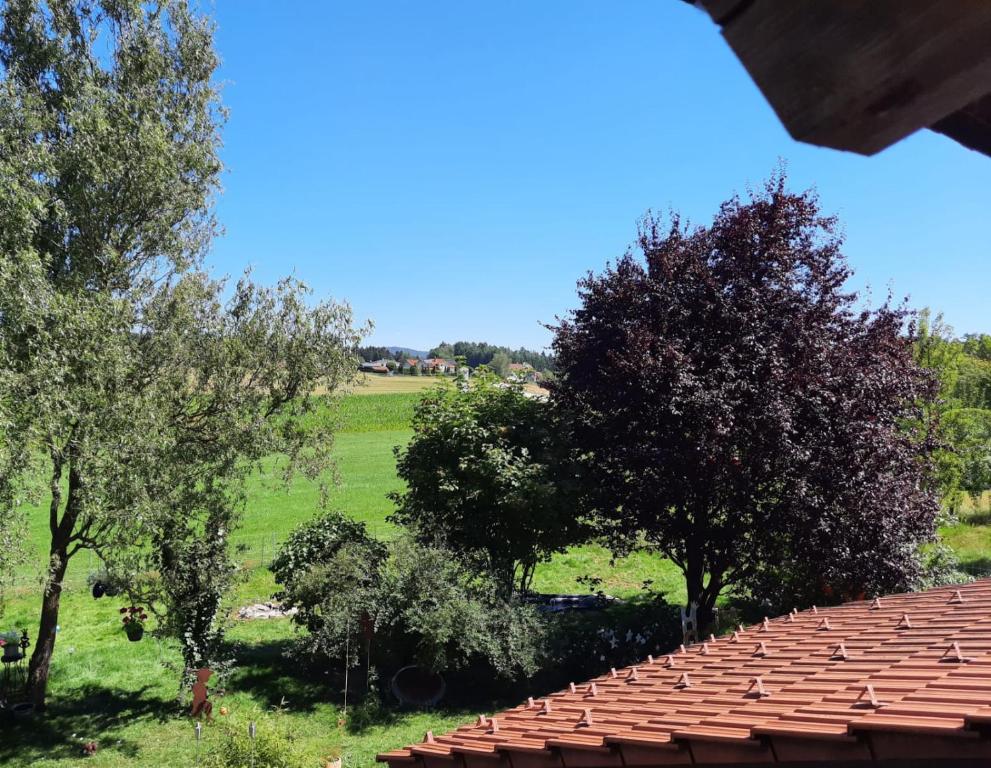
[(317, 541), (402, 602), (274, 746)]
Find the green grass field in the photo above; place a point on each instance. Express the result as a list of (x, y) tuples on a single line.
[(123, 695)]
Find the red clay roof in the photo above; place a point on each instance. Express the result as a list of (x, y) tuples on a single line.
[(906, 677)]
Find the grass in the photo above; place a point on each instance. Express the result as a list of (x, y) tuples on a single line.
[(123, 695)]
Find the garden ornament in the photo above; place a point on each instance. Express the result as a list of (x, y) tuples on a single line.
[(201, 702)]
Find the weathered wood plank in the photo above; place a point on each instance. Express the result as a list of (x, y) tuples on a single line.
[(971, 126), (861, 74)]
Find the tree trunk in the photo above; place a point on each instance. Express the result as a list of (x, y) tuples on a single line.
[(703, 595), (44, 645), (61, 530)]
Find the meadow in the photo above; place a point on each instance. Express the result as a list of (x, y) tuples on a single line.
[(123, 694)]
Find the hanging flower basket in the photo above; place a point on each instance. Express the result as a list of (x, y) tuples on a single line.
[(133, 618)]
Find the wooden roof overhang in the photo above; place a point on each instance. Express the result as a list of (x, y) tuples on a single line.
[(905, 680), (860, 75)]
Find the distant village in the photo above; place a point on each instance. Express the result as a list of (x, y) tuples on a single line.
[(439, 366)]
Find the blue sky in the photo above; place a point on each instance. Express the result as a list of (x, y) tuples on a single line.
[(452, 168)]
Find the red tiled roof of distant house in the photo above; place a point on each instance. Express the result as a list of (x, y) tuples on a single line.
[(520, 366), (903, 678)]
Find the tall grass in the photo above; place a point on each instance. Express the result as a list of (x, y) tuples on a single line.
[(375, 413)]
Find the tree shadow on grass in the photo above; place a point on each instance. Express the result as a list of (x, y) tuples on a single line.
[(978, 567), (977, 518), (92, 713), (265, 673)]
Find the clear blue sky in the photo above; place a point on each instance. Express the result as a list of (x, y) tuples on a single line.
[(452, 168)]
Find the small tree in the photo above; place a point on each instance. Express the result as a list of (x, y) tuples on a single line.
[(968, 431), (738, 412), (499, 364), (487, 476)]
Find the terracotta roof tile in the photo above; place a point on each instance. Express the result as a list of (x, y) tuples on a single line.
[(902, 677)]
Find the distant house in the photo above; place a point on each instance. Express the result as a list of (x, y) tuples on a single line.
[(523, 372), (409, 363), (376, 366), (440, 365)]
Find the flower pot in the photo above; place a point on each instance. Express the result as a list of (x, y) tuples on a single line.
[(134, 633), (12, 651), (99, 590)]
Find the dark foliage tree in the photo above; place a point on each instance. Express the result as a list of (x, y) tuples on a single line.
[(370, 354), (488, 477), (741, 415)]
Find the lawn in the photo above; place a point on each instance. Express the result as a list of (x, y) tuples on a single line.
[(123, 695)]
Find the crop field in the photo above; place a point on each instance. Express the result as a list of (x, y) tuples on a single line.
[(381, 384)]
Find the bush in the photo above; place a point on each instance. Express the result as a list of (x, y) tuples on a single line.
[(317, 541), (274, 746), (404, 602), (584, 644)]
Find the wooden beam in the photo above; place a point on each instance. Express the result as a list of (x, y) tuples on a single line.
[(860, 75), (971, 126)]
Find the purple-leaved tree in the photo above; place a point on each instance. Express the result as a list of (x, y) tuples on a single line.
[(738, 412)]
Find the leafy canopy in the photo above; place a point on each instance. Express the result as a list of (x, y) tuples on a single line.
[(404, 603), (136, 388), (739, 412), (488, 476)]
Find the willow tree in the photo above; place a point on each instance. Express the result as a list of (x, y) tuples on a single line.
[(141, 390)]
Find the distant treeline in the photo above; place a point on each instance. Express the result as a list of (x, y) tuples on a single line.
[(475, 353), (368, 354)]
